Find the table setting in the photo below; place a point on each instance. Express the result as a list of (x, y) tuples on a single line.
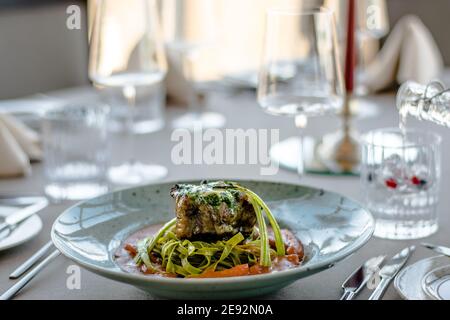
[(300, 155)]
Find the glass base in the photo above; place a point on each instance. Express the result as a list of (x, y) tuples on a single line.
[(136, 173), (290, 155), (74, 191), (139, 127), (204, 120), (287, 153), (405, 230), (340, 153)]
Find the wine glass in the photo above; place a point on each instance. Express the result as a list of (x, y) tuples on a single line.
[(127, 57), (192, 31), (300, 74)]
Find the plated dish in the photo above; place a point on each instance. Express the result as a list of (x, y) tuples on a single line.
[(132, 236), (219, 231)]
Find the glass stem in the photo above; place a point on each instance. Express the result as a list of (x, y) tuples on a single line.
[(301, 162), (195, 99), (130, 94), (300, 122)]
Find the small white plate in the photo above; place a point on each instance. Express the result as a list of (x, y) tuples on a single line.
[(436, 283), (23, 232), (408, 282)]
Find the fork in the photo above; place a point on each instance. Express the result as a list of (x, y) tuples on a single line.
[(29, 263), (11, 292), (24, 267)]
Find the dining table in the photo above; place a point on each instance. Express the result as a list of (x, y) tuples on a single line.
[(242, 111)]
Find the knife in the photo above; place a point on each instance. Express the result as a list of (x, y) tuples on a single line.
[(390, 270), (23, 214), (359, 278), (438, 249)]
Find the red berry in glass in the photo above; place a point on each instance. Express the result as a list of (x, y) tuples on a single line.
[(391, 183), (415, 181)]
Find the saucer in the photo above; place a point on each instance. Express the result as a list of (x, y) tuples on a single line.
[(408, 282), (23, 232), (436, 283)]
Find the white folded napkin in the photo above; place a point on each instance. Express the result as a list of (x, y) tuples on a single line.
[(409, 53), (18, 146), (178, 88)]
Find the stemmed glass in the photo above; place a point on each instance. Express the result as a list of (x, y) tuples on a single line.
[(300, 74), (127, 55), (192, 31)]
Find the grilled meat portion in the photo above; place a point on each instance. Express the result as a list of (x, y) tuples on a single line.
[(212, 211)]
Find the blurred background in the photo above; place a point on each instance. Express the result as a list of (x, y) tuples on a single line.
[(39, 55)]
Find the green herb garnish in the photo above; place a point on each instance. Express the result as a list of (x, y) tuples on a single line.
[(189, 258)]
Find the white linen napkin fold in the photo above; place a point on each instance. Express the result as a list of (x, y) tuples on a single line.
[(409, 53), (178, 88), (18, 146)]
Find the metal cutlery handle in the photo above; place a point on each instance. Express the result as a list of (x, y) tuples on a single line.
[(11, 292), (348, 295), (380, 290), (359, 278), (345, 295), (438, 249), (24, 267), (26, 212), (23, 214)]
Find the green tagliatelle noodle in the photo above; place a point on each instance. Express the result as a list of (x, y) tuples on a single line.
[(190, 258)]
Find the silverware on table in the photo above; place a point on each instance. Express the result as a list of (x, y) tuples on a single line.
[(22, 214), (359, 278), (35, 204), (33, 272), (11, 292), (438, 249), (24, 267), (390, 270)]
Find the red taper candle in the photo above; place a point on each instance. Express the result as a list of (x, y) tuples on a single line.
[(350, 57)]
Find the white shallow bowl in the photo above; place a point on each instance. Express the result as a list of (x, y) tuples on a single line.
[(330, 226)]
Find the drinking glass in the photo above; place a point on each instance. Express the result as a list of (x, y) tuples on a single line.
[(75, 151), (192, 32), (400, 176), (127, 56), (300, 74)]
